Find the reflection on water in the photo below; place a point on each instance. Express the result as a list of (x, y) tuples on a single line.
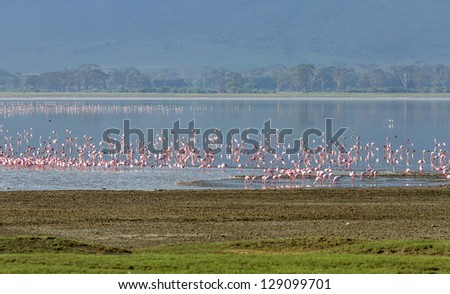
[(404, 136), (19, 108)]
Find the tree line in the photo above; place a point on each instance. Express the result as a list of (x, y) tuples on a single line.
[(272, 79)]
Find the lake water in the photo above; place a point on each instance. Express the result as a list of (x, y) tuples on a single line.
[(419, 125)]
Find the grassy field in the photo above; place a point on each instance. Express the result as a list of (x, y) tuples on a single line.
[(379, 230), (306, 255)]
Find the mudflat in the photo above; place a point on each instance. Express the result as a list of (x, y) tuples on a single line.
[(137, 219)]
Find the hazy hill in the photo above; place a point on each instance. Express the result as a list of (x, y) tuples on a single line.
[(46, 35)]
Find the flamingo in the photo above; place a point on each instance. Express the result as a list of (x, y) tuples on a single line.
[(352, 175), (336, 181)]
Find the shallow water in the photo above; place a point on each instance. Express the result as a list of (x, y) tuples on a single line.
[(417, 124)]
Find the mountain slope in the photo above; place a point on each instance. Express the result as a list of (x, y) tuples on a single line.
[(46, 35)]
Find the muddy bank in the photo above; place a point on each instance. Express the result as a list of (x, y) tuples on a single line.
[(144, 218)]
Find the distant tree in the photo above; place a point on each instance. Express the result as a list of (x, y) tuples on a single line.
[(215, 80), (264, 83), (32, 83), (259, 80), (164, 74), (90, 77), (405, 75), (276, 78), (338, 75), (377, 78), (439, 75), (303, 77), (234, 82), (281, 76), (169, 83), (325, 79), (127, 80), (421, 78)]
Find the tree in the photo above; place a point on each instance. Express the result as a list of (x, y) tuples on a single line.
[(439, 74), (421, 78), (303, 77), (90, 77), (404, 74), (32, 83), (234, 82), (279, 72), (337, 75), (127, 80), (215, 80)]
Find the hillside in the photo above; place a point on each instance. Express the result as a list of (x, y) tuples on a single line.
[(44, 35)]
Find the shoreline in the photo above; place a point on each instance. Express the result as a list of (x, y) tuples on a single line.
[(137, 219), (221, 96), (384, 230)]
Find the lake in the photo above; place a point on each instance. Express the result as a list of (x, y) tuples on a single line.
[(44, 140)]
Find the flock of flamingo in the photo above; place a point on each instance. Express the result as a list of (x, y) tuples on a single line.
[(329, 168), (62, 151), (326, 169)]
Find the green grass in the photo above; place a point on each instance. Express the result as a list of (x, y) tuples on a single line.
[(30, 244), (222, 263), (301, 255)]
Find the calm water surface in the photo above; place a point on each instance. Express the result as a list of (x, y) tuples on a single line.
[(416, 124)]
